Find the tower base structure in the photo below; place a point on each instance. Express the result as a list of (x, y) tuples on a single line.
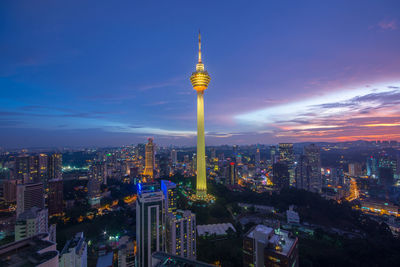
[(202, 196)]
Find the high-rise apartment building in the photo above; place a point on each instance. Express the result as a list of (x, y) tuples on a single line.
[(31, 222), (181, 234), (303, 173), (22, 168), (29, 196), (96, 179), (55, 166), (150, 232), (150, 160), (55, 197)]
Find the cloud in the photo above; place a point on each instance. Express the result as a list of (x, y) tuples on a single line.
[(388, 24), (354, 113)]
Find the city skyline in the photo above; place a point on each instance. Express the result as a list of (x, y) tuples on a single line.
[(283, 73)]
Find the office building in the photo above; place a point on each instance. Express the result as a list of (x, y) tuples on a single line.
[(34, 251), (232, 174), (29, 196), (264, 246), (200, 80), (55, 197), (150, 233), (149, 161), (286, 156), (181, 234), (303, 173), (31, 222), (312, 152), (169, 190), (280, 175)]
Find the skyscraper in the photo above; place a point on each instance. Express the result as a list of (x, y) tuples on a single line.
[(169, 190), (150, 160), (174, 156), (257, 158), (96, 178), (312, 152), (286, 156), (150, 233), (55, 166), (200, 80), (55, 197), (181, 234)]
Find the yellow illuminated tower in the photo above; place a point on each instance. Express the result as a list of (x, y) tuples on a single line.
[(149, 161), (200, 80)]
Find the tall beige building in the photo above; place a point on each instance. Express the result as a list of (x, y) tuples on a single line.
[(149, 161)]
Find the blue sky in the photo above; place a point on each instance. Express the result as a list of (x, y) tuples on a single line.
[(84, 73)]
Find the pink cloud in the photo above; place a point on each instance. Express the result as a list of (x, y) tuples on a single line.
[(388, 24)]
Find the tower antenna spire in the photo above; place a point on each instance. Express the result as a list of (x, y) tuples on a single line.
[(199, 47)]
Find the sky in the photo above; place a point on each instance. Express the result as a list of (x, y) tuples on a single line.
[(107, 73)]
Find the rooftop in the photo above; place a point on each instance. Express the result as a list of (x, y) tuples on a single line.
[(26, 252), (218, 229)]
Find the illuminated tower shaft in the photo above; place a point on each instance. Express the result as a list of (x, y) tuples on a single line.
[(200, 80), (201, 184)]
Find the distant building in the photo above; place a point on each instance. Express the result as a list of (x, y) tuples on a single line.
[(74, 253), (55, 166), (34, 251), (126, 252), (312, 152), (31, 223), (281, 175), (29, 196), (355, 169), (257, 158), (292, 216), (96, 179), (217, 229), (264, 246), (232, 178), (10, 191), (22, 173), (150, 233), (181, 234), (303, 173), (150, 160), (372, 167), (174, 156), (55, 197), (286, 156)]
